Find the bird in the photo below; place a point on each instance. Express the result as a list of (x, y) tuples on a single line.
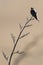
[(34, 13)]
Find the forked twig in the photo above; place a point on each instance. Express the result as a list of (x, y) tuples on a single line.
[(18, 39)]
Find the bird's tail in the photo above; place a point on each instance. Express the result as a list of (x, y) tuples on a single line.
[(37, 19)]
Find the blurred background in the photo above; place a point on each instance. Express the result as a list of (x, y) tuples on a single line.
[(13, 13)]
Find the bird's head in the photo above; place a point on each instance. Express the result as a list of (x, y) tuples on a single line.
[(31, 8)]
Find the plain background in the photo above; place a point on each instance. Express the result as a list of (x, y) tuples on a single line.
[(13, 13)]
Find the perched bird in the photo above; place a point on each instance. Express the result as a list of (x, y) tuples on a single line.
[(34, 13)]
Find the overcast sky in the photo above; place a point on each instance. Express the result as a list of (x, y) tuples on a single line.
[(13, 12)]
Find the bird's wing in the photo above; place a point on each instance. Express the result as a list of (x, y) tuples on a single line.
[(35, 11)]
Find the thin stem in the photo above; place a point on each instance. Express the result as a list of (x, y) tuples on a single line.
[(18, 40), (24, 35)]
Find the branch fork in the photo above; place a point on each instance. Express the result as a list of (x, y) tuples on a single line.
[(20, 36)]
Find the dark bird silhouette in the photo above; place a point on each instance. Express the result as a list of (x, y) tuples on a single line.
[(34, 13)]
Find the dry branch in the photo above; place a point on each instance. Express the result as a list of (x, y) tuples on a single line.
[(28, 25), (24, 35), (13, 37), (20, 26), (5, 56), (18, 39), (19, 52)]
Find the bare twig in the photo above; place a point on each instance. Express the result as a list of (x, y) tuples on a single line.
[(24, 35), (20, 26), (5, 56), (18, 40), (28, 25), (13, 37), (19, 52)]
